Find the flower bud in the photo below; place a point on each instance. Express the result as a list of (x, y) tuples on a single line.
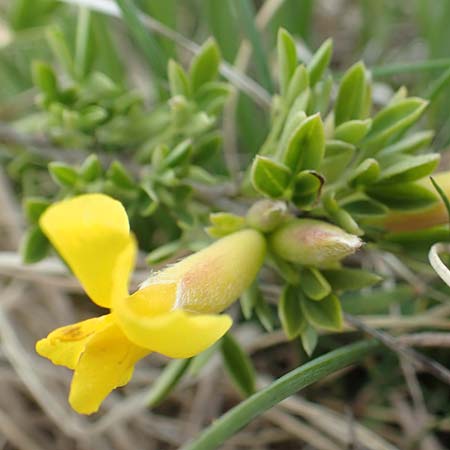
[(431, 216), (312, 243), (266, 215)]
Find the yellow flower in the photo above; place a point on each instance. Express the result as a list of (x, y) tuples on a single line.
[(174, 313)]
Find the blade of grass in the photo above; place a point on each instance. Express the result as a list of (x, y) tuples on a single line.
[(82, 44), (438, 86), (246, 15), (156, 58), (284, 387), (414, 67), (256, 92)]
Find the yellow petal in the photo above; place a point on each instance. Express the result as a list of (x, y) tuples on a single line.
[(90, 232), (106, 363), (64, 346), (177, 334)]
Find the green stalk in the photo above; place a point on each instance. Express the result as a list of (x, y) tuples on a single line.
[(287, 385), (415, 67)]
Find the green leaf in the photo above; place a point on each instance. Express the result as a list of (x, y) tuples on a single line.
[(205, 65), (239, 416), (270, 178), (63, 174), (307, 187), (351, 98), (338, 155), (224, 224), (248, 300), (178, 156), (306, 145), (353, 131), (325, 314), (119, 176), (178, 80), (264, 313), (404, 196), (409, 168), (163, 252), (290, 313), (443, 197), (287, 59), (309, 338), (167, 381), (350, 279), (83, 43), (363, 206), (314, 284), (320, 61), (366, 173), (45, 79), (34, 207), (238, 365), (34, 246), (246, 15), (393, 120), (298, 84), (410, 144), (58, 44), (91, 169)]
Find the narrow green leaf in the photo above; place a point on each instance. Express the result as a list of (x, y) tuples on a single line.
[(410, 144), (393, 120), (248, 300), (264, 313), (34, 246), (34, 207), (363, 206), (309, 338), (246, 15), (409, 168), (91, 169), (443, 196), (178, 156), (287, 59), (314, 284), (353, 131), (238, 365), (366, 173), (167, 381), (178, 80), (404, 196), (338, 155), (298, 84), (45, 79), (306, 146), (63, 174), (163, 253), (239, 416), (289, 311), (205, 65), (58, 44), (83, 43), (351, 97), (120, 176), (270, 178), (155, 56), (320, 61), (345, 279), (325, 314), (307, 188)]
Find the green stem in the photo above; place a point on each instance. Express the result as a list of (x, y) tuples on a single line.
[(287, 385)]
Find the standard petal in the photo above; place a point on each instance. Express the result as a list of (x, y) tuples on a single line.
[(106, 363), (91, 232), (177, 334), (64, 345)]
